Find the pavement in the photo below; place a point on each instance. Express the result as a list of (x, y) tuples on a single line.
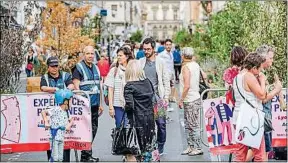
[(175, 144)]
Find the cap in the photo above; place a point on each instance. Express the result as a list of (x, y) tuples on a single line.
[(52, 61)]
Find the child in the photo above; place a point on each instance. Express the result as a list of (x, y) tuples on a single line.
[(58, 118)]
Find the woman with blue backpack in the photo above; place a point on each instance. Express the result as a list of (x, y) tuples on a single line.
[(177, 62)]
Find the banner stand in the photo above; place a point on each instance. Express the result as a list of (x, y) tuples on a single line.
[(7, 150), (215, 148)]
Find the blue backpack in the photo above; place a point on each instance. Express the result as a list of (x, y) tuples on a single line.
[(177, 56)]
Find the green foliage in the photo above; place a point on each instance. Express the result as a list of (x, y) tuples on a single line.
[(136, 36), (248, 24)]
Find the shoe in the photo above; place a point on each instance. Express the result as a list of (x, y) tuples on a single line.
[(160, 154), (168, 120), (196, 152), (90, 159), (187, 151), (170, 109)]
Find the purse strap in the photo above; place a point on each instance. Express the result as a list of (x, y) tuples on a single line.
[(242, 94)]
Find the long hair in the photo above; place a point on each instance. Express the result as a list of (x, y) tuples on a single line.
[(134, 71), (127, 52)]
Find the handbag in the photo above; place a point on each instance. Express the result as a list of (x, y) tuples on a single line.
[(125, 140), (29, 66), (203, 86), (249, 126)]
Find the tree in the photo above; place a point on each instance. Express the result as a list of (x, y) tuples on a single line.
[(15, 40), (248, 24), (136, 36), (62, 28)]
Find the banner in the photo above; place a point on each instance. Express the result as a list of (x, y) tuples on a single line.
[(218, 121), (21, 115)]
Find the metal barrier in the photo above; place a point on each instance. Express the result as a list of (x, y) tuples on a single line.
[(85, 93)]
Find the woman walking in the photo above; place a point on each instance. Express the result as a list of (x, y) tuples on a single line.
[(190, 101), (139, 94), (115, 81), (29, 60)]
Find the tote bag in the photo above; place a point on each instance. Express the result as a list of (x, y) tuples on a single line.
[(250, 124)]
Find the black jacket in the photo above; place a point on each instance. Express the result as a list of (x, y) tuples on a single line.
[(139, 103)]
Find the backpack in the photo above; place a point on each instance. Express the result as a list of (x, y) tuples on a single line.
[(177, 56), (106, 90)]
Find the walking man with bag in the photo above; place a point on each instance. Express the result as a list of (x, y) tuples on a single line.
[(86, 77)]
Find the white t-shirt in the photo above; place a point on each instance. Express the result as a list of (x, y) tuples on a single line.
[(58, 118)]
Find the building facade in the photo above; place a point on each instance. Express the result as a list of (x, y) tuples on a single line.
[(162, 18)]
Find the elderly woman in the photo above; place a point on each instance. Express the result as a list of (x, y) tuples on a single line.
[(139, 93), (190, 100), (251, 84)]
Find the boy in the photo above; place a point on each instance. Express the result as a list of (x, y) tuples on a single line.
[(58, 118)]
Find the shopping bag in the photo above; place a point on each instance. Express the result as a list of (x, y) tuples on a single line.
[(249, 126)]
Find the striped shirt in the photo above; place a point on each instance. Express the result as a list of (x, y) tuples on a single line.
[(117, 84)]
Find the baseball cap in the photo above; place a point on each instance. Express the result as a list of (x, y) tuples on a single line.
[(52, 61)]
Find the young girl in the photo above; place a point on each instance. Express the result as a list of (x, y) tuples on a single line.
[(58, 118)]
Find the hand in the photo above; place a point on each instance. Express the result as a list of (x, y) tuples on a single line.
[(100, 112), (166, 100), (278, 86), (180, 104), (71, 120), (262, 78), (47, 125), (68, 127), (111, 112)]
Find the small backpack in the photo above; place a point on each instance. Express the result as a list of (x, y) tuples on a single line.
[(106, 90)]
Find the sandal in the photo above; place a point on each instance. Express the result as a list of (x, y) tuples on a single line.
[(196, 152), (187, 151)]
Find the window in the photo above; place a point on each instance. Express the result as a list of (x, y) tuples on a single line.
[(154, 14), (164, 14), (165, 32), (155, 32), (114, 10), (175, 14)]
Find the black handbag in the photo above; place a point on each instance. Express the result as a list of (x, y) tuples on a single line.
[(203, 86), (125, 140)]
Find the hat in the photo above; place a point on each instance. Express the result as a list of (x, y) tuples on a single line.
[(52, 61)]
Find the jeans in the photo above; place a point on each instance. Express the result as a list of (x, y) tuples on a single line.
[(161, 133), (119, 111), (86, 154), (57, 150), (28, 72)]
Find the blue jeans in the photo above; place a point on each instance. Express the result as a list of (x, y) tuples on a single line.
[(119, 111), (28, 72)]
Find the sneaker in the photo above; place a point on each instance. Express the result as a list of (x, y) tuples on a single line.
[(196, 152), (170, 109), (168, 120), (187, 151)]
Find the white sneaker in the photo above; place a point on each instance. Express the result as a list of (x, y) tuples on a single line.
[(170, 109)]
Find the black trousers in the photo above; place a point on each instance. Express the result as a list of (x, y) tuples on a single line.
[(85, 154), (177, 69), (66, 155)]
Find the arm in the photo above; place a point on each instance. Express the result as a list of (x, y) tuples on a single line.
[(186, 77), (44, 86), (257, 89), (110, 97), (166, 81), (69, 82), (76, 77), (128, 95), (69, 125), (44, 116)]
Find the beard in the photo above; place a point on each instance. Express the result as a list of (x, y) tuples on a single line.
[(148, 55)]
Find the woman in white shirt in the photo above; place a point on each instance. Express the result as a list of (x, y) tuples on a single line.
[(250, 83), (190, 101), (115, 82)]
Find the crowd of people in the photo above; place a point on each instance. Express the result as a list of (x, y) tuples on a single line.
[(141, 88)]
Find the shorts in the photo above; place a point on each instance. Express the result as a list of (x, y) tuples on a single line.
[(268, 141)]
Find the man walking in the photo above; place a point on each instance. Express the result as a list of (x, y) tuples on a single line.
[(155, 71), (51, 82), (167, 57), (86, 77)]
